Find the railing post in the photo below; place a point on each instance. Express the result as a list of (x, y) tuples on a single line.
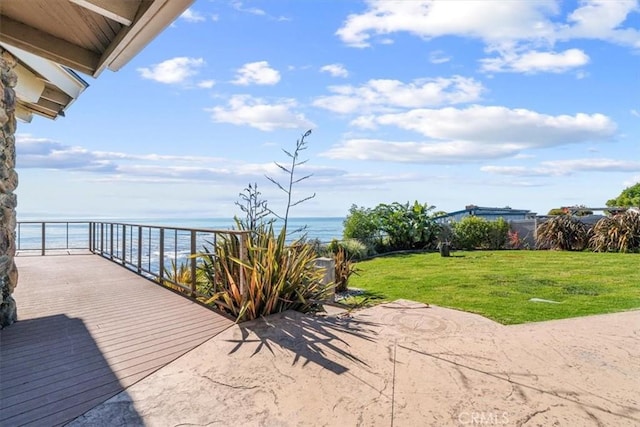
[(161, 260), (124, 244), (111, 240), (43, 238), (139, 249), (67, 235), (193, 264), (91, 237), (243, 257)]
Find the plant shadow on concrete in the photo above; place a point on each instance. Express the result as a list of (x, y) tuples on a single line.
[(312, 339)]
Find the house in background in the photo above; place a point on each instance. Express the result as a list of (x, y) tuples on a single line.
[(490, 214)]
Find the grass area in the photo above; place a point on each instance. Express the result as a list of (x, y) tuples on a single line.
[(499, 284)]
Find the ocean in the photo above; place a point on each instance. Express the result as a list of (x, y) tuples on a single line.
[(75, 235)]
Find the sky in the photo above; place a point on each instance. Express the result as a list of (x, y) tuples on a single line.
[(527, 104)]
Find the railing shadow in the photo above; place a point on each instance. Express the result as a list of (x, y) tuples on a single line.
[(52, 372)]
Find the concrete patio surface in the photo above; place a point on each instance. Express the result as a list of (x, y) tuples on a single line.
[(396, 364)]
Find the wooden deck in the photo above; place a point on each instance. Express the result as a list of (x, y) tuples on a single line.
[(87, 330)]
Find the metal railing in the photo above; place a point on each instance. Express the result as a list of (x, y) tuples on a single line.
[(155, 252), (41, 236)]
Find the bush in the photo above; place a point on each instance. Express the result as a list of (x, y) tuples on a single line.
[(391, 227), (362, 224), (407, 226), (562, 232), (473, 232), (353, 248), (620, 233)]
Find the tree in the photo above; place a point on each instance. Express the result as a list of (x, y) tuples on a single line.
[(629, 197)]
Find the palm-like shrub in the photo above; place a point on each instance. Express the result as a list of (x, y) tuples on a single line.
[(270, 277), (620, 233), (562, 232)]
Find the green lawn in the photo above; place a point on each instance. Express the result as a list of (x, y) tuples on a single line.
[(499, 284)]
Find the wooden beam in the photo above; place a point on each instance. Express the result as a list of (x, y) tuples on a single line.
[(55, 95), (52, 107), (122, 11), (47, 46)]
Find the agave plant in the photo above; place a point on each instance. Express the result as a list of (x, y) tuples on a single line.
[(269, 277), (620, 233), (562, 232)]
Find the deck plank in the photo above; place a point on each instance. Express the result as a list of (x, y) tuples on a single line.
[(87, 330)]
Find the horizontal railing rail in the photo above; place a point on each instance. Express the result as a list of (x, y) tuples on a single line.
[(157, 252)]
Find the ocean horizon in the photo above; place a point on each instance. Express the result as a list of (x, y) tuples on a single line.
[(323, 229)]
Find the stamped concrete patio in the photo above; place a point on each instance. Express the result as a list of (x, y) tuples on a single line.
[(398, 364)]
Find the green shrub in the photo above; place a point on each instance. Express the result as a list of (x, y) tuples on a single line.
[(354, 248), (473, 232), (363, 224), (497, 234), (469, 233), (620, 233), (562, 232), (407, 226)]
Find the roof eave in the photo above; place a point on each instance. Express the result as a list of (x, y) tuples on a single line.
[(147, 25)]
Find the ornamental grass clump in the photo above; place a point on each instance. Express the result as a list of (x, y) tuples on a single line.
[(620, 233), (270, 277), (257, 273), (564, 233)]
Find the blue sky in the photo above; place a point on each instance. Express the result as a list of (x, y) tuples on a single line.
[(528, 104)]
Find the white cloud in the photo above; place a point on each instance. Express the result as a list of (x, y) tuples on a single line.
[(206, 84), (336, 70), (245, 110), (500, 125), (535, 61), (472, 134), (516, 171), (593, 165), (525, 31), (602, 20), (492, 21), (259, 73), (191, 15), (438, 57), (635, 113), (172, 71), (417, 152), (237, 5), (565, 167), (380, 95)]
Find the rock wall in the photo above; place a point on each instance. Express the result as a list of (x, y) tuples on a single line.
[(8, 183)]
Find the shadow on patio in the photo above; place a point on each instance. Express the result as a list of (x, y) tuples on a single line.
[(52, 371)]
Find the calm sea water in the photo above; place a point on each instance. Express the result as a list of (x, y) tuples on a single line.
[(76, 235)]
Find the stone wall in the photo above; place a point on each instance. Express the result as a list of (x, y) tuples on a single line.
[(8, 183)]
